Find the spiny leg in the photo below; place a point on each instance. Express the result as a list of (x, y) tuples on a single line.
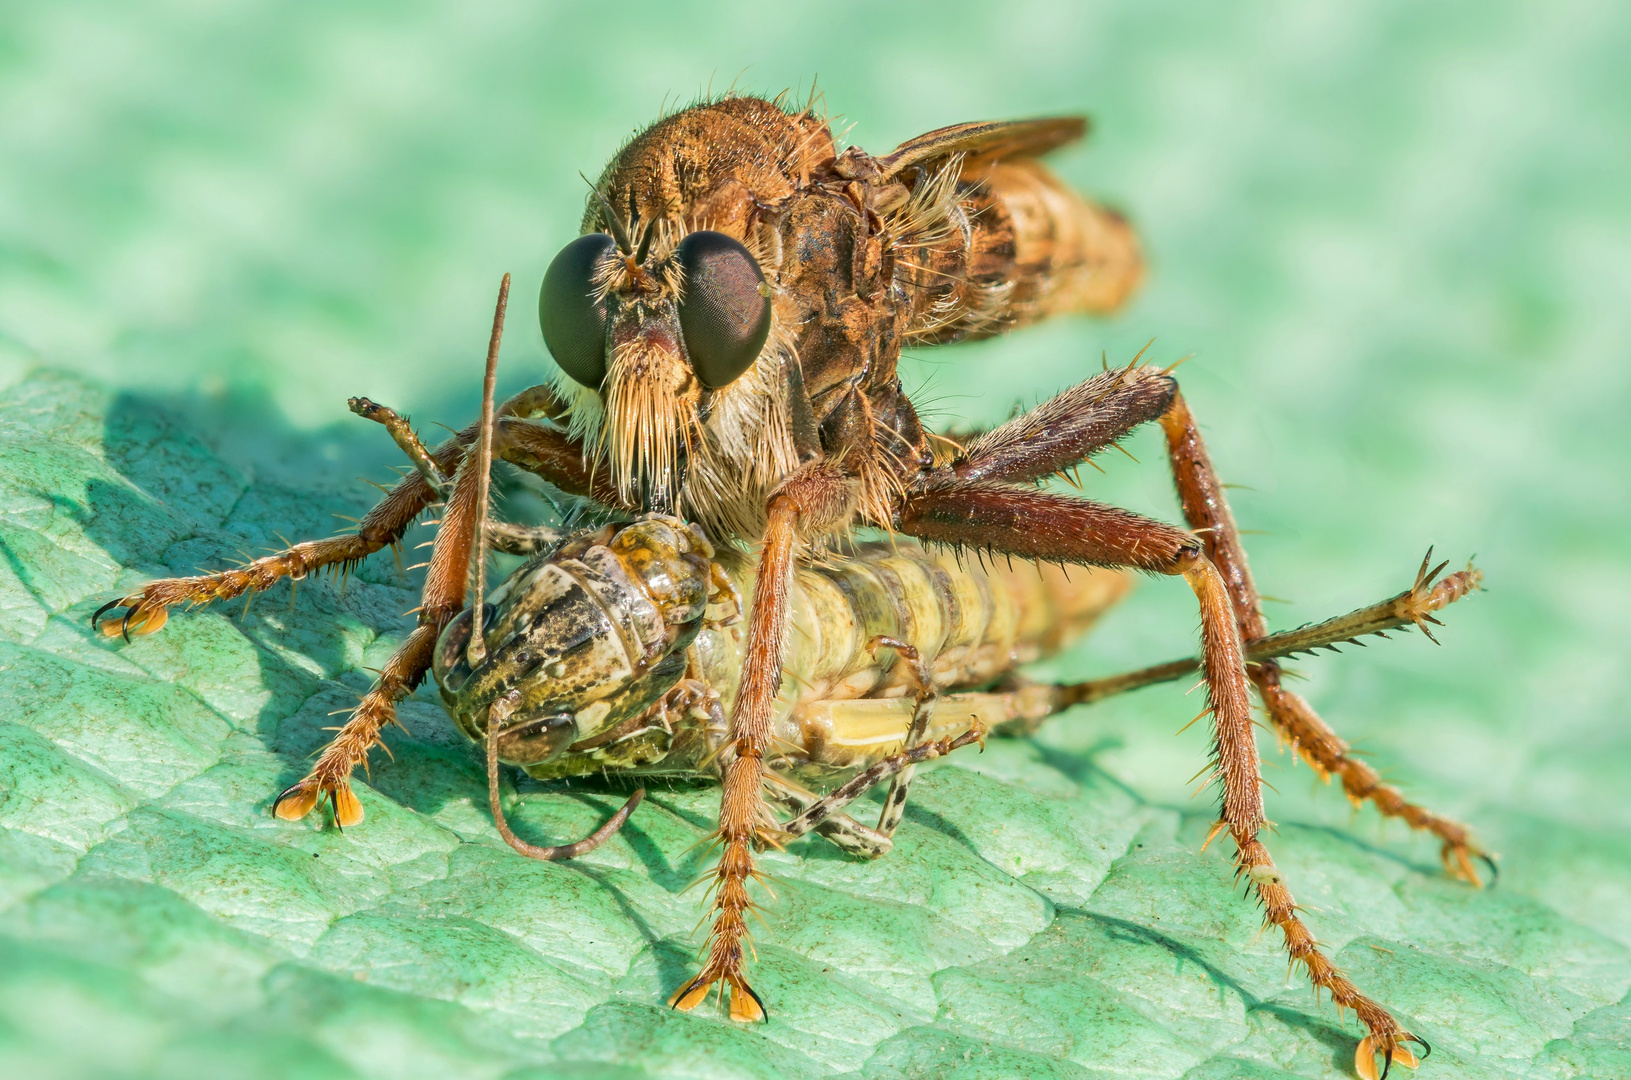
[(1413, 607), (406, 439), (548, 451), (443, 598), (1041, 525), (331, 775), (502, 536), (1207, 510), (1022, 707), (814, 500)]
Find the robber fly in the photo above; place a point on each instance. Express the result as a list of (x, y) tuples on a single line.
[(726, 331)]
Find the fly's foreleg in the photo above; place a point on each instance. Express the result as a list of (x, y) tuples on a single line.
[(147, 609), (819, 497), (330, 777), (443, 597)]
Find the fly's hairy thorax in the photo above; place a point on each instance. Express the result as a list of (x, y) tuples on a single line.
[(861, 265)]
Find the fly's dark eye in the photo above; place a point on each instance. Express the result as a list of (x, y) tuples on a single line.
[(725, 309), (574, 322)]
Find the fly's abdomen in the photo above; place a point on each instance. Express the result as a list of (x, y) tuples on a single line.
[(1015, 245)]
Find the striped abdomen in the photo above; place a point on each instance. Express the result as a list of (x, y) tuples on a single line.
[(972, 623), (1016, 247)]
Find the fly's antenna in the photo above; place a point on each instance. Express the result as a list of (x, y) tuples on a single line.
[(614, 221), (647, 235), (476, 651)]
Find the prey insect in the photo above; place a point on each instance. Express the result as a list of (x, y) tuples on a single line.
[(727, 330)]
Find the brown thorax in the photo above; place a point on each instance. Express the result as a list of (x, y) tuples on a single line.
[(740, 297)]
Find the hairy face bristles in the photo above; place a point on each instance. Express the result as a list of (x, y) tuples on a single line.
[(651, 419)]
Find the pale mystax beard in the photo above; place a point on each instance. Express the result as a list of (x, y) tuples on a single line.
[(651, 422)]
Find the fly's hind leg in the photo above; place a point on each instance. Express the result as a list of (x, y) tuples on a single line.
[(976, 500), (1207, 511)]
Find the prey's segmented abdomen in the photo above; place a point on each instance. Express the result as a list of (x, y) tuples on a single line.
[(844, 703)]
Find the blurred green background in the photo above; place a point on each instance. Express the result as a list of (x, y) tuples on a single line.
[(1396, 238)]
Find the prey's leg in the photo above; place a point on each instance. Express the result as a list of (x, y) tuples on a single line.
[(869, 778), (1413, 607), (406, 439), (502, 536), (923, 692), (847, 834), (515, 539)]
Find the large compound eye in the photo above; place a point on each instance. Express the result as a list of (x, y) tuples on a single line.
[(725, 310), (574, 321)]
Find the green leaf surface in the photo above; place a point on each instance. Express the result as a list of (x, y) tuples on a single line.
[(1396, 234), (1036, 917)]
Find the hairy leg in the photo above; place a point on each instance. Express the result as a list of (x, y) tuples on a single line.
[(1207, 510), (146, 610), (443, 598), (1066, 430), (816, 499), (1040, 525)]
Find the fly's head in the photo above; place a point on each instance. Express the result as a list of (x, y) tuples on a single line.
[(656, 325)]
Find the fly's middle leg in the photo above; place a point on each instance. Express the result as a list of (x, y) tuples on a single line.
[(1206, 509)]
